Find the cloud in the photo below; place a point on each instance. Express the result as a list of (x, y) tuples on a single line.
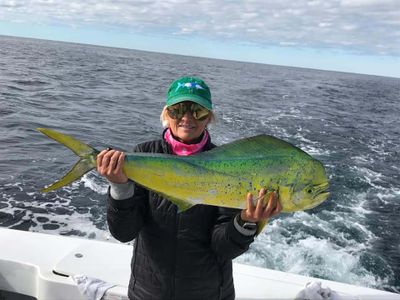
[(364, 26)]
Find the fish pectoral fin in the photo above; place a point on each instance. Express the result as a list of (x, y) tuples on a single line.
[(182, 204)]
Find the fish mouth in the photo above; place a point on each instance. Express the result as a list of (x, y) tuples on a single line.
[(322, 197), (321, 193)]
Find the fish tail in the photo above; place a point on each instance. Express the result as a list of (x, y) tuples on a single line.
[(86, 162)]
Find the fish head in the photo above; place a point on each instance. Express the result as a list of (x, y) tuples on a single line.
[(308, 189)]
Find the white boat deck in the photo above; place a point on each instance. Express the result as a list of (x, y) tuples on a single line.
[(42, 266)]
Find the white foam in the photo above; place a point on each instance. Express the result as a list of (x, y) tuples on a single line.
[(315, 151), (395, 167), (95, 183), (67, 220), (15, 184), (378, 147), (388, 195), (275, 130), (362, 159), (287, 245), (395, 191), (6, 178), (69, 223), (359, 206), (370, 176), (307, 145)]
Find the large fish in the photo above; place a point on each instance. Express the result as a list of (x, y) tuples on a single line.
[(221, 177)]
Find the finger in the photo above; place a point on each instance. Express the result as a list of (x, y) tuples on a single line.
[(260, 204), (261, 195), (113, 162), (106, 160), (250, 205), (101, 154), (100, 160), (120, 163), (278, 208), (272, 203)]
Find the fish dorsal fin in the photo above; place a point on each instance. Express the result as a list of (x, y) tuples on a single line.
[(256, 146)]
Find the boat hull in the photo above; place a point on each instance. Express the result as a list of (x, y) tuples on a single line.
[(42, 266)]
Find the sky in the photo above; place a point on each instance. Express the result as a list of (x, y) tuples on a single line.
[(357, 36)]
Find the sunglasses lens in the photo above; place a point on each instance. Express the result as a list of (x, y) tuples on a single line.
[(175, 111), (199, 112), (178, 110)]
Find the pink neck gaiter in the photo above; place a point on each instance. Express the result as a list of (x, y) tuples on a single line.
[(179, 148)]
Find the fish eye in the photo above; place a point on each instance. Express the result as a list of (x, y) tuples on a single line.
[(309, 190)]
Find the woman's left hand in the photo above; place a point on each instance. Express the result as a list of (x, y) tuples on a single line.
[(261, 212)]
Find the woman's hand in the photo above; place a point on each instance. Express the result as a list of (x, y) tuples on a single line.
[(109, 165), (261, 212)]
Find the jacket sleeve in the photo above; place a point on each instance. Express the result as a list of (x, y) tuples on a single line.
[(126, 217), (227, 241)]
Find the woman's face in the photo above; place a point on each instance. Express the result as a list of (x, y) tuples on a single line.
[(187, 129)]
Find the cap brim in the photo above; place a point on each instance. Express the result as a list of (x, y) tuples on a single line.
[(190, 97)]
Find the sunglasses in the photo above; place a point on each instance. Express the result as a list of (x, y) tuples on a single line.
[(177, 111)]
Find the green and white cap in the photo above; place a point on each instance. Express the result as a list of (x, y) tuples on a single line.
[(189, 89)]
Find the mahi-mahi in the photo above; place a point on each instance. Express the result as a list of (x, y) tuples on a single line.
[(222, 176)]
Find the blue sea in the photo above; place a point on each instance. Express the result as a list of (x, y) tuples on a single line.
[(113, 97)]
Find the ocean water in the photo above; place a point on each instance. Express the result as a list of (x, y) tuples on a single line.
[(113, 97)]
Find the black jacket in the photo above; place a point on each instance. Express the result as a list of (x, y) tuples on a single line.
[(186, 256)]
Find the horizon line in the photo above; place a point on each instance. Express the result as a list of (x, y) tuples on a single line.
[(195, 56)]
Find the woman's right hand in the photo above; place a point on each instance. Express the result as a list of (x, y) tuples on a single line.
[(109, 165)]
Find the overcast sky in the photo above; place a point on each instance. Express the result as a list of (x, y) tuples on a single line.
[(361, 36)]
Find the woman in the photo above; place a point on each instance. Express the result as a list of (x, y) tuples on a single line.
[(189, 255)]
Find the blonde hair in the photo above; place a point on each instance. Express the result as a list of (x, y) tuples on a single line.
[(165, 123)]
